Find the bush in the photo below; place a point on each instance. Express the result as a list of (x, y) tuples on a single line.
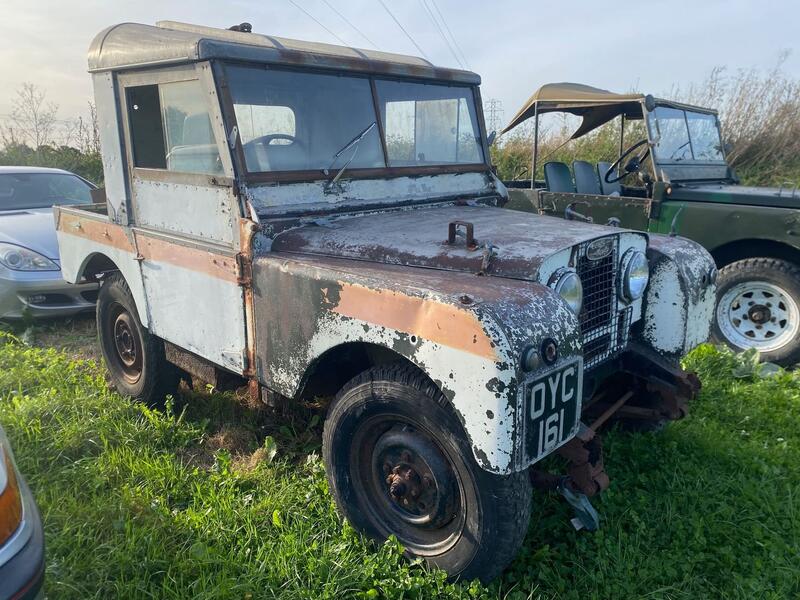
[(88, 165)]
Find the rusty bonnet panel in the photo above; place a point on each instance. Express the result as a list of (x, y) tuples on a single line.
[(466, 335), (506, 243)]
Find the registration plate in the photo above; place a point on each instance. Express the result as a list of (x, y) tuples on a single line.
[(552, 409)]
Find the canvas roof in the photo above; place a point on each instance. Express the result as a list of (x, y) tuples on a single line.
[(595, 105)]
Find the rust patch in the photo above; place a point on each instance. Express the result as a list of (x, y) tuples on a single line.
[(151, 248), (247, 229), (194, 259), (425, 318), (101, 232)]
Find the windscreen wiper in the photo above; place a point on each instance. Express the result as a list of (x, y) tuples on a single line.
[(678, 149), (354, 142)]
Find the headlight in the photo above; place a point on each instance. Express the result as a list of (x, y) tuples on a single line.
[(568, 285), (18, 258), (635, 275)]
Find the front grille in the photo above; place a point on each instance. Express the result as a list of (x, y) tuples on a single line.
[(599, 282), (49, 299), (604, 327)]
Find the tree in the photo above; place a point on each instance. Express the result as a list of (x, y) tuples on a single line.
[(33, 118)]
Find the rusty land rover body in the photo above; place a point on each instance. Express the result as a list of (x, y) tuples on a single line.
[(322, 222)]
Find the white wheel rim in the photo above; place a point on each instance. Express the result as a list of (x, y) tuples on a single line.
[(758, 314)]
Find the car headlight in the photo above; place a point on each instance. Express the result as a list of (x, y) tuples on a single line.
[(568, 285), (18, 258), (635, 275)]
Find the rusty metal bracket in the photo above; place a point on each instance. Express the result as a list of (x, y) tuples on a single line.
[(469, 233), (585, 472), (673, 386)]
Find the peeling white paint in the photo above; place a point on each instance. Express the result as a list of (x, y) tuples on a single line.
[(679, 302), (310, 196)]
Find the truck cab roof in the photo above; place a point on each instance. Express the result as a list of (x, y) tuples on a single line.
[(133, 45)]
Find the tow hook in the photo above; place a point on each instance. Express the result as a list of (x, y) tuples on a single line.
[(586, 516)]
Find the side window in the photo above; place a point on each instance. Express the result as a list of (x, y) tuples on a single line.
[(171, 128)]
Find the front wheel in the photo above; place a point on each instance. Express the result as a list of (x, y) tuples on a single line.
[(758, 306), (399, 463)]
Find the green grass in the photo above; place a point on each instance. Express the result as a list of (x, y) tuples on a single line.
[(190, 502)]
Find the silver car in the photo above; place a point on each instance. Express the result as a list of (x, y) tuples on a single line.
[(30, 270)]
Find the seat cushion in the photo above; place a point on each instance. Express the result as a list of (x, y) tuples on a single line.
[(586, 180), (558, 178)]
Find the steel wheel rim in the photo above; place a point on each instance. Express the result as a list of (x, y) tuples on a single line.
[(758, 314), (431, 529), (126, 343)]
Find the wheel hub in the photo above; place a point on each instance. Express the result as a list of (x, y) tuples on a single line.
[(124, 340), (416, 478), (758, 314), (127, 351)]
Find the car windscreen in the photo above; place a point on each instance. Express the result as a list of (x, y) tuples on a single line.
[(300, 121), (292, 121), (429, 124), (685, 135), (19, 191)]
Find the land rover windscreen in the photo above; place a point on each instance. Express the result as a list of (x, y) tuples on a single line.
[(309, 125), (684, 137)]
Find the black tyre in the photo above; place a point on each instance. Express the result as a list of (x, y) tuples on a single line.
[(399, 463), (758, 306), (134, 358)]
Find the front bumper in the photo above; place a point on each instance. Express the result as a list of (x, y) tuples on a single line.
[(42, 294), (22, 575)]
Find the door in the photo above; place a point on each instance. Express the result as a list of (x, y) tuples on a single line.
[(184, 210)]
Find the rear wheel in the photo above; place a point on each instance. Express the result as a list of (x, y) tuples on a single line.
[(399, 463), (758, 306), (134, 358)]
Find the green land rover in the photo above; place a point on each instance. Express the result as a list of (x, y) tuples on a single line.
[(676, 180)]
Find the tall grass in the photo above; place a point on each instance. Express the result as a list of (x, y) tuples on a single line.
[(211, 498), (759, 111)]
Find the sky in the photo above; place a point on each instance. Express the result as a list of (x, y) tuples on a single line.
[(514, 45)]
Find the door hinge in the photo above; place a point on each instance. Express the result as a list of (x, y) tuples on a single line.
[(244, 267)]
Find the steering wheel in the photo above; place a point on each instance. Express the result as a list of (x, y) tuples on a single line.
[(632, 166), (265, 140)]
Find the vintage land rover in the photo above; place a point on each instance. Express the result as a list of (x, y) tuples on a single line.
[(673, 177), (322, 222)]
